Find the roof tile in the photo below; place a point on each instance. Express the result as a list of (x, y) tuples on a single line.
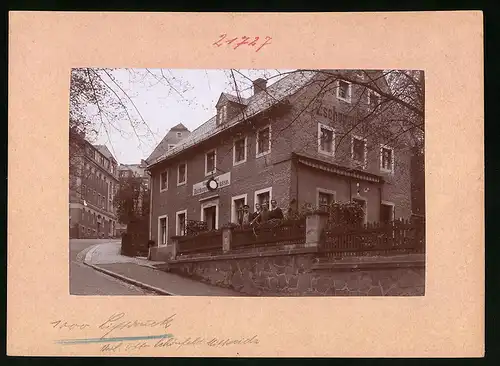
[(255, 104)]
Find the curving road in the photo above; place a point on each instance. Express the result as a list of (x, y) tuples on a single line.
[(84, 280)]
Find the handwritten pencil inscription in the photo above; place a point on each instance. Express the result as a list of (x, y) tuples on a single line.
[(236, 42), (111, 338)]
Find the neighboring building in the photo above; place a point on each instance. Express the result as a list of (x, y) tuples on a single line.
[(128, 171), (92, 187), (175, 135), (134, 170), (287, 144)]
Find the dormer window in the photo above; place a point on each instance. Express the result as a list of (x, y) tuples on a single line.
[(229, 106)]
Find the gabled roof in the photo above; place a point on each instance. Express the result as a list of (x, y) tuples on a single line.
[(257, 103), (105, 151), (232, 98), (179, 127), (168, 139)]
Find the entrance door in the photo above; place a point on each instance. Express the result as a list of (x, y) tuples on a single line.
[(209, 214), (386, 213)]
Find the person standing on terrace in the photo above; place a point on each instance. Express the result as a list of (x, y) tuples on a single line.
[(245, 216), (276, 212), (254, 215), (265, 215)]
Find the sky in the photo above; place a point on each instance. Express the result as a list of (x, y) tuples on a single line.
[(165, 98)]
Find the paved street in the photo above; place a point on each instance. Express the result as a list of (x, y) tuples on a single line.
[(86, 281)]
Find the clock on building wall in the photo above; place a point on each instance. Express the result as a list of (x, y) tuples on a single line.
[(212, 184)]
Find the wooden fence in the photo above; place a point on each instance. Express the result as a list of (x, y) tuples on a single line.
[(286, 232), (210, 241), (397, 237)]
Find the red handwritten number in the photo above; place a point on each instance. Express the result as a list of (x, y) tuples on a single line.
[(218, 44), (264, 44), (244, 41), (254, 42)]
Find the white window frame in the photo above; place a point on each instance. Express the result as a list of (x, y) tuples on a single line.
[(185, 173), (179, 134), (263, 190), (388, 203), (365, 150), (234, 151), (369, 96), (382, 169), (326, 127), (207, 173), (164, 188), (233, 205), (257, 155), (177, 229), (349, 91), (171, 146), (362, 198), (223, 114), (207, 204), (159, 231), (326, 191)]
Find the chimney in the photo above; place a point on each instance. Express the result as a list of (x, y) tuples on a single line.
[(259, 85)]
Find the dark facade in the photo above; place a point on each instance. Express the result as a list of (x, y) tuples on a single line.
[(92, 187), (128, 171), (291, 142)]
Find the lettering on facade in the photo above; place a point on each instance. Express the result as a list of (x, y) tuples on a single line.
[(224, 180), (333, 115)]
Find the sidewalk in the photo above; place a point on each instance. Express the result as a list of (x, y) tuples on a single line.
[(141, 272)]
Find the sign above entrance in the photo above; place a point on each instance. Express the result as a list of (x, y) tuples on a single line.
[(224, 180)]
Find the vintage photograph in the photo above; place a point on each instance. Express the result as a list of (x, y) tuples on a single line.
[(245, 182)]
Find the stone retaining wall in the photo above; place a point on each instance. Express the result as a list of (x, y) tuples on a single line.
[(301, 272)]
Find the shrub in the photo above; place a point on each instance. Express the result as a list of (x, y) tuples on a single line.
[(194, 227), (345, 214)]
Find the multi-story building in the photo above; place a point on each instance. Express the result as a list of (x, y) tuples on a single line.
[(93, 182), (304, 140), (133, 170)]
